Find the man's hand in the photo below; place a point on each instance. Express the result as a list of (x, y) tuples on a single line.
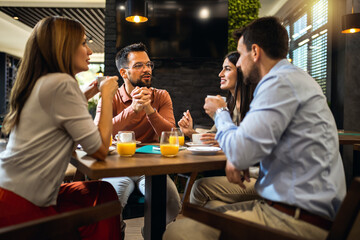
[(236, 176), (212, 104), (141, 99)]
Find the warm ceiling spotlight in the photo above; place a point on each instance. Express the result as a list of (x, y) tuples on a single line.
[(16, 18), (351, 22), (136, 11), (204, 13), (90, 40)]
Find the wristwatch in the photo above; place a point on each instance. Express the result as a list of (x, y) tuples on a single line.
[(220, 110)]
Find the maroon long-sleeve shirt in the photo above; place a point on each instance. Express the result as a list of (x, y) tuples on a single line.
[(146, 128)]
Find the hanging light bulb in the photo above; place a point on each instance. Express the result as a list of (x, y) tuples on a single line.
[(100, 73), (351, 22), (136, 11)]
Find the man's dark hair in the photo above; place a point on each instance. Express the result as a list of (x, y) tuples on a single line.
[(268, 33), (121, 58)]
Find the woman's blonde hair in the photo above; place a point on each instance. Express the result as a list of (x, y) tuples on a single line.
[(49, 49)]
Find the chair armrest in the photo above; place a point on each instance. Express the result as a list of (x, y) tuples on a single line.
[(61, 225), (348, 212), (232, 227)]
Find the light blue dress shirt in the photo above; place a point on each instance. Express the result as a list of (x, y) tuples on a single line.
[(291, 131)]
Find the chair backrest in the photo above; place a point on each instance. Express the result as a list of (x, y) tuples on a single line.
[(232, 227), (61, 226), (345, 226), (347, 220)]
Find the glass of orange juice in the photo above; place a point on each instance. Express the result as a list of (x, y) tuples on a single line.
[(180, 136), (169, 143), (126, 144)]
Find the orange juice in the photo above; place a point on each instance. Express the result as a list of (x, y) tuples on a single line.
[(110, 139), (169, 150), (172, 140), (126, 149), (181, 140)]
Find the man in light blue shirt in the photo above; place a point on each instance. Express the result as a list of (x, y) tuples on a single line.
[(290, 131)]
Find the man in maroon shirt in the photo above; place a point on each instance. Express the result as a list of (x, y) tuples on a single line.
[(137, 106), (145, 110)]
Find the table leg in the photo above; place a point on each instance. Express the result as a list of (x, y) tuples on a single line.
[(155, 207)]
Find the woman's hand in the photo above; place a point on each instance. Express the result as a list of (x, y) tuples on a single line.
[(109, 86), (209, 138), (186, 124), (91, 90)]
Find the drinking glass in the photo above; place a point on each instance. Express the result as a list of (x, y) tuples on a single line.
[(169, 143), (126, 144), (180, 135)]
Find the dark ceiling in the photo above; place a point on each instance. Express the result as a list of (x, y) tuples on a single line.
[(93, 20)]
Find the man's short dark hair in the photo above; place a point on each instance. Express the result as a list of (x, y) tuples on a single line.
[(121, 58), (268, 33)]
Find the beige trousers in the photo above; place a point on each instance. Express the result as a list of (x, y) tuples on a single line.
[(213, 192), (255, 211)]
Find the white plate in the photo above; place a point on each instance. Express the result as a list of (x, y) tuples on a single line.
[(158, 148), (192, 144), (204, 150), (112, 148)]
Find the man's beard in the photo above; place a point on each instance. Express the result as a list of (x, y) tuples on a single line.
[(139, 83), (254, 76)]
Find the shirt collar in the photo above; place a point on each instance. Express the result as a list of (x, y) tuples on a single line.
[(124, 95), (277, 66)]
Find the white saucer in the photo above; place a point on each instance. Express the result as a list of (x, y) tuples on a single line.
[(192, 144), (114, 142), (158, 148), (204, 150)]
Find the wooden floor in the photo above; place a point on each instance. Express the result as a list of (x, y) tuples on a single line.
[(133, 228)]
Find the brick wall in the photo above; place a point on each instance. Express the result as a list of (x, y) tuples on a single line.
[(187, 80)]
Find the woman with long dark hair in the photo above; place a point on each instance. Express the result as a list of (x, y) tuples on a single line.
[(48, 117), (216, 191), (238, 98)]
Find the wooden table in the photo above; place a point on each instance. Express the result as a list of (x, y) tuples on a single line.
[(349, 137), (154, 167), (352, 138)]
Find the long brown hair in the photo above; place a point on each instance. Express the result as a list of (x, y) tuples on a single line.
[(49, 49), (246, 91)]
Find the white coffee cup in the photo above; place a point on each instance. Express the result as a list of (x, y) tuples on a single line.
[(125, 136), (212, 96), (196, 138), (99, 79)]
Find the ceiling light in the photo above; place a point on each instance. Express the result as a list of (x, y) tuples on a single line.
[(351, 22), (204, 13), (136, 11)]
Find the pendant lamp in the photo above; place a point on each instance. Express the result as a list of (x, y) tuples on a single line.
[(351, 22), (136, 11)]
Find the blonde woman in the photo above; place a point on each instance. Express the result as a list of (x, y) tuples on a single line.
[(48, 116)]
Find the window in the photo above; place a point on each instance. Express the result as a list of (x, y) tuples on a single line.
[(307, 30), (299, 57)]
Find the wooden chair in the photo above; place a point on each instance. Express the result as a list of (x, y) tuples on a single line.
[(345, 226), (356, 160), (61, 226)]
